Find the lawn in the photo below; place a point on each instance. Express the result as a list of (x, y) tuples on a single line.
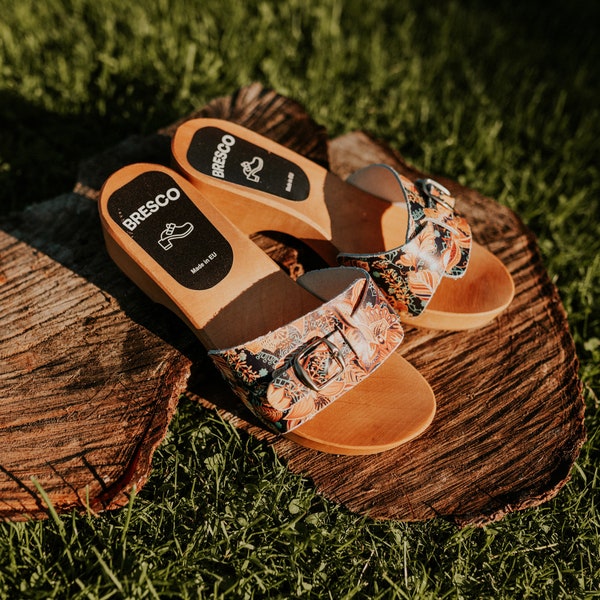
[(501, 96)]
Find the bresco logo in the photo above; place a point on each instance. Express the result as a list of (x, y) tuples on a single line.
[(220, 156), (152, 206)]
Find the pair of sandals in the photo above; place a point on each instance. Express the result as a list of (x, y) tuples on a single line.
[(313, 359)]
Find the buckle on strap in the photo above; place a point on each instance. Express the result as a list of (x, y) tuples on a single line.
[(319, 363), (427, 187)]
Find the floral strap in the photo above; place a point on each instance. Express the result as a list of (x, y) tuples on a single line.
[(438, 241), (287, 376)]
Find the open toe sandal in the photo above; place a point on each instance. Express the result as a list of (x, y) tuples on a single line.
[(407, 235), (313, 360)]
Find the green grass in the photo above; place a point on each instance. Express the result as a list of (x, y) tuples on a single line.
[(502, 96)]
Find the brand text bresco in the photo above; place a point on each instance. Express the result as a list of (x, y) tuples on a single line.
[(220, 156), (152, 206)]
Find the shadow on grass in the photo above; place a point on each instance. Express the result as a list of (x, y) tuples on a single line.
[(41, 150)]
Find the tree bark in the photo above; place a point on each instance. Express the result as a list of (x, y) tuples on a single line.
[(91, 369)]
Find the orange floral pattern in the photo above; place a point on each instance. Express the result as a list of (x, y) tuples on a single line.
[(287, 376), (438, 244)]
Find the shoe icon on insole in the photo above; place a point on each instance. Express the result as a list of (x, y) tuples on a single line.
[(173, 232), (251, 168)]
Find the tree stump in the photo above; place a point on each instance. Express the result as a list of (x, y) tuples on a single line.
[(91, 370)]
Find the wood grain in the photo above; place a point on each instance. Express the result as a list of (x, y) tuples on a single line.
[(89, 376), (509, 424), (91, 370)]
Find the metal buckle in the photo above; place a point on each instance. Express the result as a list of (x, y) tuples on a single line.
[(305, 376), (427, 185)]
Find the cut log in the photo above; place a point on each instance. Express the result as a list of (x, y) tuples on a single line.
[(89, 374), (91, 370)]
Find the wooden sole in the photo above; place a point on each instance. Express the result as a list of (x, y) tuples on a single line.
[(269, 187), (183, 253)]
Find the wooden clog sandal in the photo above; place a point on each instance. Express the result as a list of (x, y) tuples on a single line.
[(434, 274), (320, 366)]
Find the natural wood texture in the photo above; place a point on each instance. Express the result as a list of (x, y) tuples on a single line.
[(95, 356), (509, 424), (89, 373)]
